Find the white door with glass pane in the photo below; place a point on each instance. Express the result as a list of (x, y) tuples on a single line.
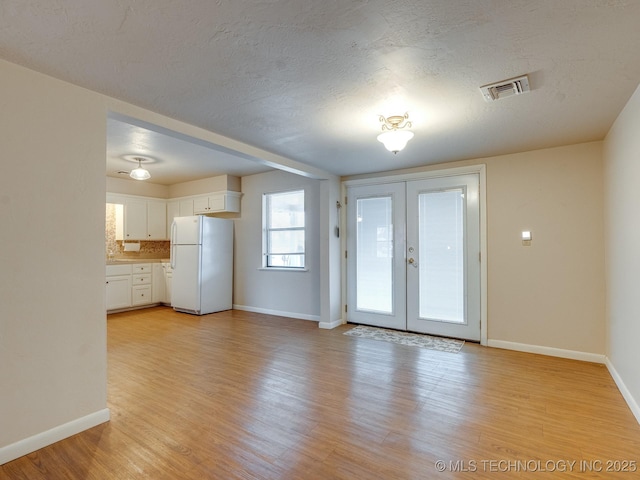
[(443, 257), (431, 282), (375, 261)]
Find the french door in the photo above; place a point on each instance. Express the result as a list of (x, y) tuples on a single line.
[(413, 256)]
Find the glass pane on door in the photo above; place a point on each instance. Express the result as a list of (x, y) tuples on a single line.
[(374, 262), (441, 252)]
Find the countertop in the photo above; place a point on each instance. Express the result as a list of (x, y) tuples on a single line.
[(124, 261)]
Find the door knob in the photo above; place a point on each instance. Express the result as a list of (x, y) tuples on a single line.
[(413, 262)]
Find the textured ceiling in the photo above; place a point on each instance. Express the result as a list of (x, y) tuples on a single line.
[(170, 158), (307, 79)]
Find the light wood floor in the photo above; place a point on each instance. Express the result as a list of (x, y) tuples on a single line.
[(243, 395)]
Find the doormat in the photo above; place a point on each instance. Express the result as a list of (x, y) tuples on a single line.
[(405, 338)]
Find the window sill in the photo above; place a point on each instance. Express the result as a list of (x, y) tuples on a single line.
[(281, 269)]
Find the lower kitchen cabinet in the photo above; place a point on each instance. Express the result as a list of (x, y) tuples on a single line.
[(118, 292), (130, 286), (141, 295), (158, 293), (141, 284)]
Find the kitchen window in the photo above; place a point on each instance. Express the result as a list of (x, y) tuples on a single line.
[(283, 229)]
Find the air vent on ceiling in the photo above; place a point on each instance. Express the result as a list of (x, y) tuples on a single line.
[(505, 88)]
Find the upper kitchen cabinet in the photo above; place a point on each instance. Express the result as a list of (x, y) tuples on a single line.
[(141, 218), (186, 207), (156, 220), (135, 219), (148, 218), (217, 202), (145, 219), (173, 211), (178, 208)]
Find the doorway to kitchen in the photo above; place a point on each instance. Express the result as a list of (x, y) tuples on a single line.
[(414, 255)]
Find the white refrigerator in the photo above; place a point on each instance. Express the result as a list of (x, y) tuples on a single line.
[(202, 264)]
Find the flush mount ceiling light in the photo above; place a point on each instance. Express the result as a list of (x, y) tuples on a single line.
[(139, 173), (393, 135)]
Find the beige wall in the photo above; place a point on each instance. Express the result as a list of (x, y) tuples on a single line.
[(550, 294), (135, 187), (147, 189), (52, 304), (622, 233), (205, 185)]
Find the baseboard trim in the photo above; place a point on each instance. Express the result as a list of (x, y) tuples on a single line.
[(552, 352), (53, 435), (626, 394), (279, 313), (330, 325)]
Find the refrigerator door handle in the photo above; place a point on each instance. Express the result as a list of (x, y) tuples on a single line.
[(173, 244)]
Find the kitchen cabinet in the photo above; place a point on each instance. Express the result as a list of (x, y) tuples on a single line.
[(135, 220), (156, 220), (118, 292), (145, 219), (118, 286), (131, 286), (178, 208), (141, 284), (158, 284), (207, 204), (148, 218), (217, 202), (173, 211), (141, 294), (186, 207)]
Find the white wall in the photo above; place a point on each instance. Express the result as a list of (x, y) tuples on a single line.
[(294, 294), (622, 234), (52, 304)]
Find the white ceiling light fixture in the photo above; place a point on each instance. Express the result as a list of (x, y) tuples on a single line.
[(139, 173), (394, 136)]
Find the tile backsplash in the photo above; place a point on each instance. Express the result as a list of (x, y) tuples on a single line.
[(114, 248), (148, 249)]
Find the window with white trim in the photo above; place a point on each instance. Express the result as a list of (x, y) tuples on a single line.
[(283, 243)]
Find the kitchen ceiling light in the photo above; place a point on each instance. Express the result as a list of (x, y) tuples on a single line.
[(393, 135), (140, 173)]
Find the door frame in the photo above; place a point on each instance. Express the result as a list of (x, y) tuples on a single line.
[(479, 169)]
